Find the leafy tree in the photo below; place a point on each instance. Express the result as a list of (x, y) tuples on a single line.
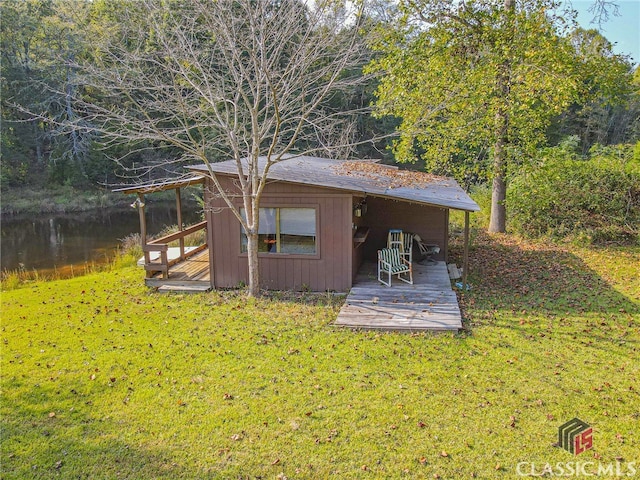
[(40, 39), (21, 42), (240, 79), (608, 110), (475, 84)]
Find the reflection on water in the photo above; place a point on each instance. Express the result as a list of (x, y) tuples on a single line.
[(48, 242)]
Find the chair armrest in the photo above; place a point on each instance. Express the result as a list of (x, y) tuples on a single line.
[(384, 263)]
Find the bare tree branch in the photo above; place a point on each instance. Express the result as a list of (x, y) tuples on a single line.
[(238, 79)]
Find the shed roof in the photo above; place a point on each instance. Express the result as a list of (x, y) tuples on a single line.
[(365, 177), (160, 186)]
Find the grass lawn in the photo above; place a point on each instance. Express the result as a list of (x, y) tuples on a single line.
[(103, 379)]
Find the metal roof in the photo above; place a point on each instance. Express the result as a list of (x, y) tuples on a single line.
[(361, 177)]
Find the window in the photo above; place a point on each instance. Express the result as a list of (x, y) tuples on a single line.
[(285, 230)]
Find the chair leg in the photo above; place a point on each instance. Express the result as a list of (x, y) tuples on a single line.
[(400, 277), (388, 284), (405, 280)]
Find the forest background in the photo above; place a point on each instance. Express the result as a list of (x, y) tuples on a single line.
[(578, 177)]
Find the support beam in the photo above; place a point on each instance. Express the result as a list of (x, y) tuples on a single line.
[(465, 260), (143, 219), (143, 227), (180, 225)]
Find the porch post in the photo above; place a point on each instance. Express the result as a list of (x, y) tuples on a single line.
[(465, 260), (143, 219), (180, 226), (143, 226)]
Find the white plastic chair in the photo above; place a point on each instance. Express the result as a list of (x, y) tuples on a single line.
[(390, 262)]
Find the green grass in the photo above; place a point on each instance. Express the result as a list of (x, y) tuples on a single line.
[(61, 199), (103, 379), (33, 200)]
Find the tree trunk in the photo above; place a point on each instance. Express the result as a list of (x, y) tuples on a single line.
[(254, 272), (498, 220)]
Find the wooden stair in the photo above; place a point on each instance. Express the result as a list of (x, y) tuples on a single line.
[(186, 287)]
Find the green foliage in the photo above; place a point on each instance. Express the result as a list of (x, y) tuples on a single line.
[(596, 199), (609, 106), (103, 379), (446, 80), (57, 199)]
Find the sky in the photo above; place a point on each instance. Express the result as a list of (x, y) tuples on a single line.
[(623, 31)]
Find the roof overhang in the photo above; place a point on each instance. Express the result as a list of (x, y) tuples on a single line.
[(326, 173), (153, 187)]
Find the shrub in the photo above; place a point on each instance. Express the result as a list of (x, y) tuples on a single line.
[(131, 245), (562, 196)]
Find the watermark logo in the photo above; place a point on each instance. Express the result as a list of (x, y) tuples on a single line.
[(575, 436)]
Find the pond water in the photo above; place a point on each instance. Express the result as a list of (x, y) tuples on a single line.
[(55, 243)]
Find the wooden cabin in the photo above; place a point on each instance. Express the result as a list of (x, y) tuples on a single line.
[(320, 219), (322, 223)]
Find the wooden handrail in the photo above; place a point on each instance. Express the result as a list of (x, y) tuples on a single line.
[(161, 245), (178, 235)]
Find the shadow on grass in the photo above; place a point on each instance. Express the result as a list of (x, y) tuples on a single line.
[(545, 293), (58, 433), (529, 278)]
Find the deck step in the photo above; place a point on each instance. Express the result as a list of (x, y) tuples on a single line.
[(186, 288), (454, 272)]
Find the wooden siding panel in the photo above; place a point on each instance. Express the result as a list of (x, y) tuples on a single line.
[(281, 272), (331, 241), (210, 238), (382, 215), (297, 274), (338, 259)]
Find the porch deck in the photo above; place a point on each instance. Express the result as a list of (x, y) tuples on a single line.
[(192, 272), (428, 305)]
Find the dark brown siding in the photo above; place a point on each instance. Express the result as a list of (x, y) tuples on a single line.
[(358, 248), (431, 223), (330, 270), (338, 260)]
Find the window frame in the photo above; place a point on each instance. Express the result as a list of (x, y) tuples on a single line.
[(278, 206)]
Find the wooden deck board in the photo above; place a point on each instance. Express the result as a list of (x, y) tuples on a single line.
[(427, 305), (194, 270)]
